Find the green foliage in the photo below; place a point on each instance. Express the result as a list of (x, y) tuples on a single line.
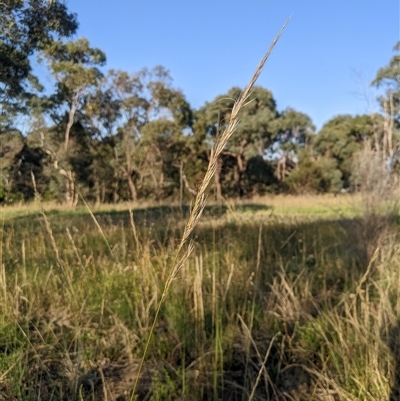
[(295, 130), (388, 77), (74, 65), (26, 27), (315, 176), (164, 388), (143, 118), (340, 140), (257, 128)]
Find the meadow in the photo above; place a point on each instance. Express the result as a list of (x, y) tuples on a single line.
[(282, 298)]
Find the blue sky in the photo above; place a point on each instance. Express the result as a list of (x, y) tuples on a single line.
[(329, 52)]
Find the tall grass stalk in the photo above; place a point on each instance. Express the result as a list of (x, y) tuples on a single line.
[(253, 302), (262, 369), (97, 224), (201, 197)]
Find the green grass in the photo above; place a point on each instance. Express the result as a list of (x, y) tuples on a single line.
[(75, 316)]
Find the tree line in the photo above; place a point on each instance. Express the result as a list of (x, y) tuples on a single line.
[(112, 136)]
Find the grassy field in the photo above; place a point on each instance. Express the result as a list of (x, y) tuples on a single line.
[(283, 298)]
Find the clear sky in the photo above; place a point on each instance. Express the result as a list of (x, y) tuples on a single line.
[(329, 52)]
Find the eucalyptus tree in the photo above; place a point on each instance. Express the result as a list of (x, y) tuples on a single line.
[(25, 28), (148, 116), (75, 67), (101, 117), (162, 140), (342, 137), (295, 132), (255, 134), (388, 78)]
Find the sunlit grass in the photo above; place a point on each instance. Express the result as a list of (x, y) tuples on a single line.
[(281, 205)]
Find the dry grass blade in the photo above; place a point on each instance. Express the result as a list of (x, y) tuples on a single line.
[(262, 368), (132, 221), (97, 224), (201, 197)]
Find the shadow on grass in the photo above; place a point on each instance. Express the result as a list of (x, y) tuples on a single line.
[(292, 244), (163, 216)]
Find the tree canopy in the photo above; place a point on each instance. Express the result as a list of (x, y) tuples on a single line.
[(26, 26)]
